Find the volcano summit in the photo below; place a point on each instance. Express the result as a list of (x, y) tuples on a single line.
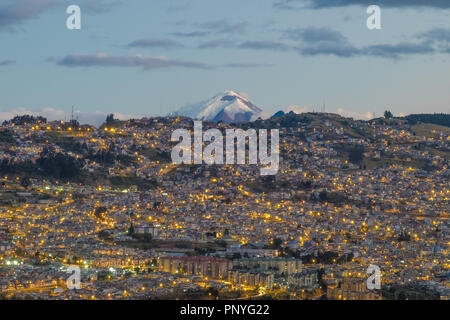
[(229, 107)]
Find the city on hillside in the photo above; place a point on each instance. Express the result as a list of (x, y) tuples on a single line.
[(350, 196)]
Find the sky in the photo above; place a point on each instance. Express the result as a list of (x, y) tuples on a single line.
[(139, 58)]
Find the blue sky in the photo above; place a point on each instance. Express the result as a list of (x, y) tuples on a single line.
[(148, 58)]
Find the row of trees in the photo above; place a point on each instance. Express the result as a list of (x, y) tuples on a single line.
[(436, 118), (57, 165), (26, 119), (6, 136)]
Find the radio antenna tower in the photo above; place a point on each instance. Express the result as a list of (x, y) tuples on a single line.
[(71, 117)]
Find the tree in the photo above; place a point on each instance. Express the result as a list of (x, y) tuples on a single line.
[(437, 118), (99, 212), (404, 236), (103, 275), (104, 234), (322, 282), (323, 196), (277, 243), (25, 182), (131, 230), (236, 255), (388, 114), (401, 296), (26, 119), (213, 292), (58, 165), (356, 154), (146, 237), (110, 119)]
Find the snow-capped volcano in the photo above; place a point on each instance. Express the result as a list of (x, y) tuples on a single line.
[(228, 106)]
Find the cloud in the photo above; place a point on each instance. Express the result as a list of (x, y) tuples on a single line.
[(155, 43), (321, 4), (6, 62), (285, 4), (223, 26), (247, 65), (178, 7), (98, 117), (264, 45), (439, 36), (144, 61), (436, 34), (325, 41), (322, 41), (253, 45), (314, 34), (97, 6), (296, 108), (396, 51), (317, 41), (17, 12), (95, 118), (219, 43), (355, 115), (190, 34), (440, 4)]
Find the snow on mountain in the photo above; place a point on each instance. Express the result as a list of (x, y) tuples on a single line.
[(228, 106)]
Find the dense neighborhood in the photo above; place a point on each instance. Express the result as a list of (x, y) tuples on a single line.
[(348, 194)]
